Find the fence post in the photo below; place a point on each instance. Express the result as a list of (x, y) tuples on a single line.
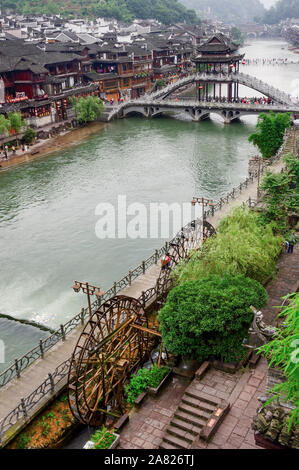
[(52, 383), (143, 267), (114, 287), (82, 316), (24, 408), (130, 278), (233, 193), (62, 332), (17, 368), (166, 246), (156, 256), (249, 202), (41, 348), (143, 298)]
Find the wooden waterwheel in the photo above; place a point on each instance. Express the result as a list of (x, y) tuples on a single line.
[(113, 343)]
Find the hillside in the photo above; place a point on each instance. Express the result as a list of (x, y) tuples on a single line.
[(229, 11), (281, 11), (166, 11)]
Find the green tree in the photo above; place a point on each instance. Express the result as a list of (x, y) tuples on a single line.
[(283, 352), (5, 125), (16, 121), (210, 317), (88, 109), (242, 246), (270, 131)]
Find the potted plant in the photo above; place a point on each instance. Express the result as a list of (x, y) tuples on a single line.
[(103, 439)]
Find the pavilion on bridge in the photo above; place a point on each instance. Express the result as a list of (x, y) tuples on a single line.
[(218, 55)]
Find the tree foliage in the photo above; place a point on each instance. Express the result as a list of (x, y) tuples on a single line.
[(281, 11), (283, 352), (87, 109), (270, 130), (16, 121), (4, 125), (281, 195), (165, 11), (210, 317), (241, 246)]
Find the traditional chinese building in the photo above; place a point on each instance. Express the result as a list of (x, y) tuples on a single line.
[(218, 55)]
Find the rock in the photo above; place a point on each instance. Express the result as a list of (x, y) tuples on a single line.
[(274, 429), (285, 435)]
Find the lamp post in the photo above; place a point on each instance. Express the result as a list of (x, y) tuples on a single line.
[(204, 202), (89, 290)]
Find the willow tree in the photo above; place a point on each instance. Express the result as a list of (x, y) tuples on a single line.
[(87, 109), (4, 125), (16, 121)]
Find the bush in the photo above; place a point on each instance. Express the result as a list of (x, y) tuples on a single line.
[(103, 438), (210, 317), (87, 109), (29, 136), (144, 378), (281, 195), (283, 352), (270, 130), (241, 246)]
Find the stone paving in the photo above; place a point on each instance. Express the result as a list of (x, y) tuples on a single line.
[(148, 424)]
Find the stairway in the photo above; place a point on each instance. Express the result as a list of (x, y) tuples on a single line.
[(191, 415)]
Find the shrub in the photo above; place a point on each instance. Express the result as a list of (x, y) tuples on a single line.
[(283, 352), (29, 136), (87, 109), (210, 317), (241, 246), (103, 438), (270, 130), (144, 378)]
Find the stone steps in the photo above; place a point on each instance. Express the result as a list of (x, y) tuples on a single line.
[(192, 414)]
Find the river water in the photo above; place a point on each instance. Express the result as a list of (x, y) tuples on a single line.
[(47, 207)]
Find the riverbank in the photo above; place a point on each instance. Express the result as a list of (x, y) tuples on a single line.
[(52, 144)]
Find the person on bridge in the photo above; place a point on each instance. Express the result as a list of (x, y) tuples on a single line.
[(165, 261)]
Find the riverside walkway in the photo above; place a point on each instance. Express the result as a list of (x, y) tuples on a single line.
[(22, 398)]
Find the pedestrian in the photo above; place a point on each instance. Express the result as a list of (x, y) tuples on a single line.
[(13, 148), (292, 242), (165, 261), (23, 148)]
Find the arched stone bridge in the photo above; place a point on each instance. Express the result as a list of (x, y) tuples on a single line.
[(158, 102), (200, 110)]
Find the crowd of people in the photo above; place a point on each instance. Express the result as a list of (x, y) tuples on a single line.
[(7, 152)]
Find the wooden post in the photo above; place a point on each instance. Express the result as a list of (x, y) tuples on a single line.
[(156, 256), (143, 267), (82, 316), (62, 332), (52, 383), (88, 299), (17, 368), (114, 287), (24, 408), (130, 278)]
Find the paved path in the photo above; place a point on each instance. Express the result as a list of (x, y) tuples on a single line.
[(147, 425)]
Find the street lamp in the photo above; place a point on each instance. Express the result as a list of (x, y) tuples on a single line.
[(89, 290), (205, 202)]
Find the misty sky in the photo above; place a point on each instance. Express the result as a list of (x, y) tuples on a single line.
[(268, 3)]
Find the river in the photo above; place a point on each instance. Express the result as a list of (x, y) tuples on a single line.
[(47, 207)]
